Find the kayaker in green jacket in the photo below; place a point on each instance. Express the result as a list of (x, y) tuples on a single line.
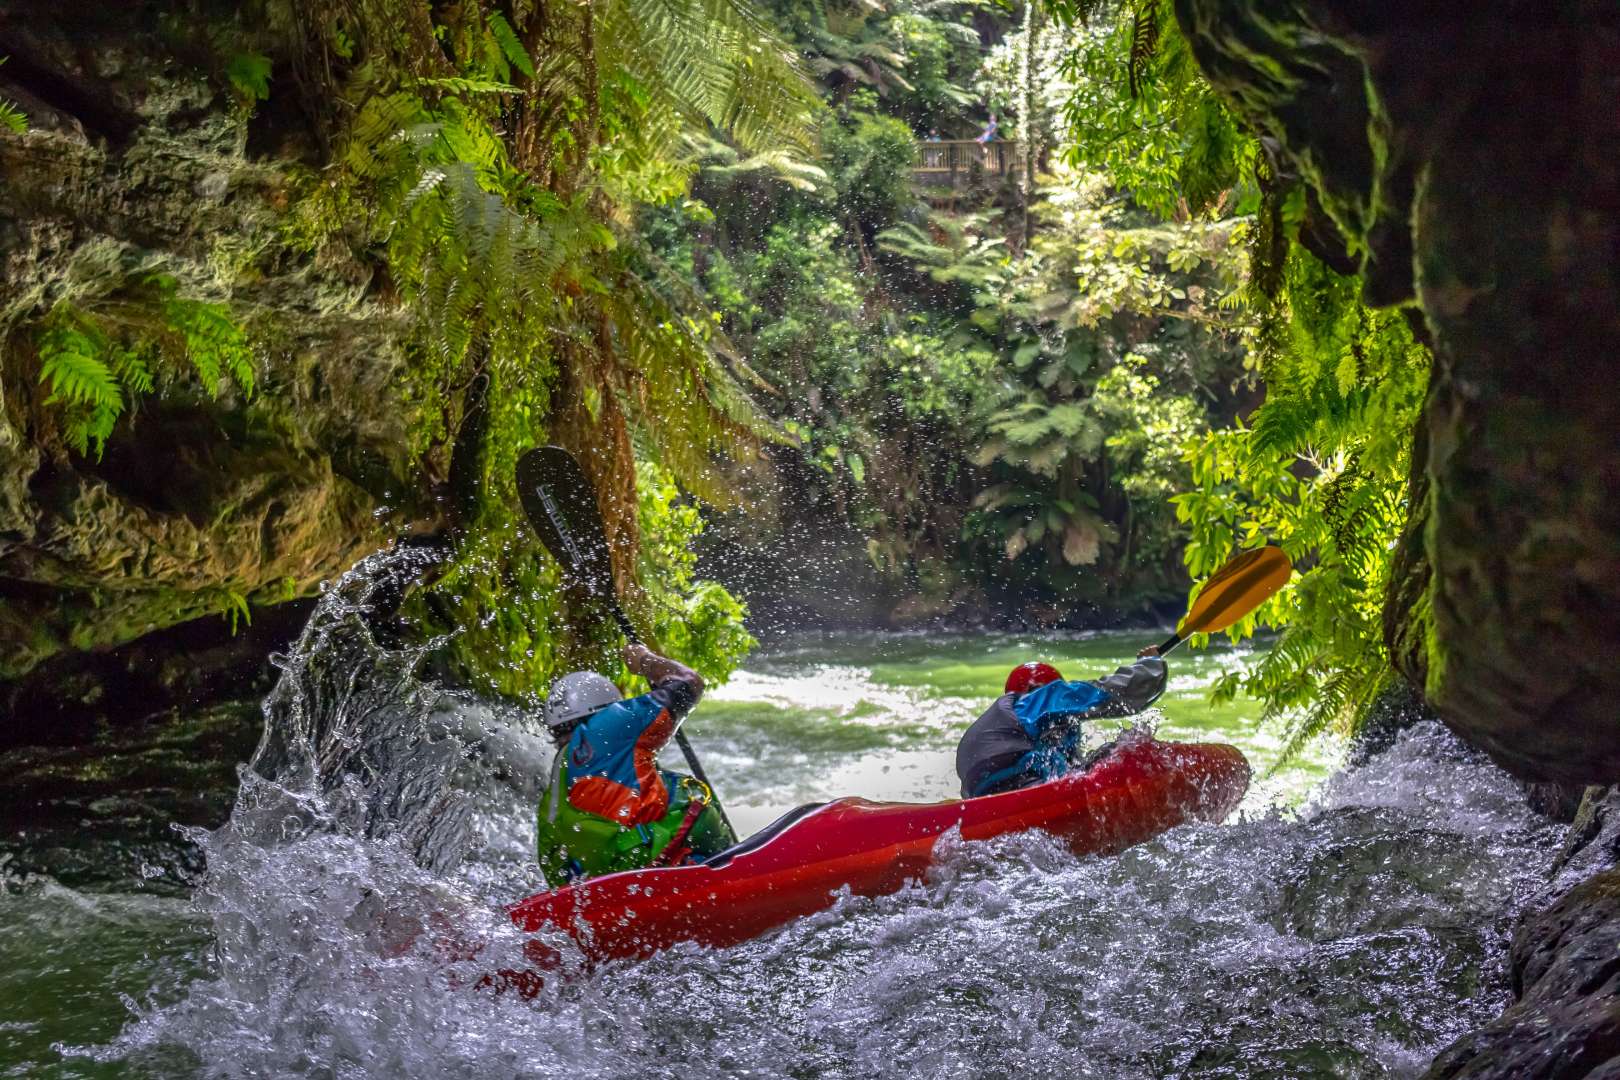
[(608, 806)]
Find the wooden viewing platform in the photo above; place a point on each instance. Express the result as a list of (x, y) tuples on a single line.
[(960, 163)]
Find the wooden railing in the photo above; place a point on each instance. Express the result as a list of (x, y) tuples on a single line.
[(964, 162)]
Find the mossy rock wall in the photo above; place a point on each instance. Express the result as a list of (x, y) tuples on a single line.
[(137, 162), (1467, 156)]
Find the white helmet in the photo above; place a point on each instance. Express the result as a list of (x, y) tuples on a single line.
[(575, 696)]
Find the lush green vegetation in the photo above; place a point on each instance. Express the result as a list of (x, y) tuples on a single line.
[(1322, 466), (992, 421), (1071, 419), (686, 241), (496, 158)]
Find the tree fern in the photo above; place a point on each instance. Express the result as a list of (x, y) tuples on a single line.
[(505, 153)]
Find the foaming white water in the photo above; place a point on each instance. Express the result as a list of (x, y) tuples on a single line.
[(850, 692), (1352, 938)]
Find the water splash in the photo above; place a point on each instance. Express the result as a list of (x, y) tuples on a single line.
[(380, 819)]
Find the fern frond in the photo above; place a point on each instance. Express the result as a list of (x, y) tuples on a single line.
[(71, 355), (715, 62), (457, 84), (511, 47), (1144, 42), (131, 368), (11, 117), (76, 374), (214, 344)]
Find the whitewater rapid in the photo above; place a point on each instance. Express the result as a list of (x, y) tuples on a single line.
[(1354, 935)]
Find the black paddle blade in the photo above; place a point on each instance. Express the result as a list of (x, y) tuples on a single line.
[(561, 506)]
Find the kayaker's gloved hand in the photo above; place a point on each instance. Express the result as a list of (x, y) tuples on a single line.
[(1151, 650)]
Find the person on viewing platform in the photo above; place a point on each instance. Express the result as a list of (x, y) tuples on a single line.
[(1031, 733), (989, 133), (608, 806)]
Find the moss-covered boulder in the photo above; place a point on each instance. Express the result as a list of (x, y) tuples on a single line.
[(1466, 156)]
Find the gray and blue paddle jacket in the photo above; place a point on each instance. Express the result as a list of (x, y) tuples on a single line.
[(1025, 739)]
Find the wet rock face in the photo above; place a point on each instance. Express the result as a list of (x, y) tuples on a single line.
[(1470, 152), (142, 160), (1566, 968)]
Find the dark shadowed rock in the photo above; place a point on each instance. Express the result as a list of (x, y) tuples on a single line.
[(1565, 1021), (1566, 971), (1592, 844)]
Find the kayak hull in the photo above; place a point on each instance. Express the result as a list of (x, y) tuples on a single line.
[(873, 848)]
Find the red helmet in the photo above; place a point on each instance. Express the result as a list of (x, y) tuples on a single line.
[(1026, 677)]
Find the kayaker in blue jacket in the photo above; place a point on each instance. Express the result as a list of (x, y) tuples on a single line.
[(1031, 733), (608, 806)]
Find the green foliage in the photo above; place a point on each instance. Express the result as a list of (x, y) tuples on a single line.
[(503, 595), (1323, 472), (512, 50), (999, 84), (96, 367), (962, 407), (234, 608), (1144, 117), (217, 347), (1179, 271), (1320, 468), (914, 57), (869, 159), (11, 117), (499, 156), (1064, 517), (508, 273), (249, 76), (698, 621), (75, 358), (939, 52)]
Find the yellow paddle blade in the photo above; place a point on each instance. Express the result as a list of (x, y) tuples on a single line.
[(1237, 589)]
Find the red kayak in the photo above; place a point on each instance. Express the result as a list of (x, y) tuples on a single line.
[(796, 866)]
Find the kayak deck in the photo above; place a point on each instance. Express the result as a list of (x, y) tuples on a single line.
[(1136, 792)]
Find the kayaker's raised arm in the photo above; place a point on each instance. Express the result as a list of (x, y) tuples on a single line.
[(1134, 687), (659, 670)]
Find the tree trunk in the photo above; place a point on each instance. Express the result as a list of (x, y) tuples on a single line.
[(1028, 148)]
